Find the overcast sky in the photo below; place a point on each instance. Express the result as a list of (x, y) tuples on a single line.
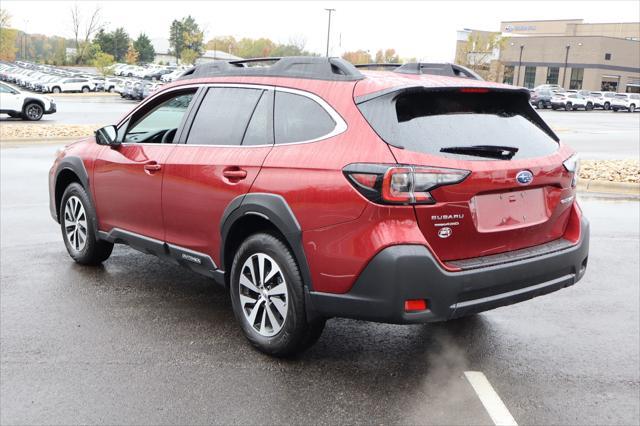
[(425, 30)]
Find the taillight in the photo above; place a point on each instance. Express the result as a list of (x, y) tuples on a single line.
[(386, 184), (572, 165)]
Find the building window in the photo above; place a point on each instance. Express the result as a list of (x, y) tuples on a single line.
[(576, 78), (607, 56), (508, 74), (552, 75), (529, 77)]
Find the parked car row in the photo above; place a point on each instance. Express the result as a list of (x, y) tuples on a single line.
[(137, 89), (151, 72), (554, 97), (49, 79)]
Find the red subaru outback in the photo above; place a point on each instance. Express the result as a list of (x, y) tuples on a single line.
[(311, 190)]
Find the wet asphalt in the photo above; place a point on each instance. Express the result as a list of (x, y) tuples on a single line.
[(137, 341)]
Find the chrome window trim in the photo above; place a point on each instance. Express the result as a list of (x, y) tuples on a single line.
[(339, 128)]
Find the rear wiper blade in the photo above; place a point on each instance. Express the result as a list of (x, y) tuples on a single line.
[(489, 151)]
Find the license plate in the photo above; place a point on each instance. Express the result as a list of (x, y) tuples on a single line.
[(510, 210)]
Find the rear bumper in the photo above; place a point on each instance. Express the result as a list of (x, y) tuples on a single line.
[(404, 272)]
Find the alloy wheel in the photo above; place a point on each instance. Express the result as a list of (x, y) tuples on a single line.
[(75, 223), (34, 112), (263, 294)]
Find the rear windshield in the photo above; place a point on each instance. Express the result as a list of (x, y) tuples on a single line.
[(429, 121)]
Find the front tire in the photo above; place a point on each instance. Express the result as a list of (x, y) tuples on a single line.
[(607, 106), (540, 105), (632, 108), (267, 294), (32, 111), (85, 89), (78, 223), (56, 90), (567, 107)]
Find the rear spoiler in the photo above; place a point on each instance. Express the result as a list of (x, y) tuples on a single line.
[(529, 113), (445, 69)]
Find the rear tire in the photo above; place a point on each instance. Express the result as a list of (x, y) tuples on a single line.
[(632, 108), (540, 105), (78, 223), (266, 287), (589, 107), (607, 106), (85, 89), (56, 90), (567, 107)]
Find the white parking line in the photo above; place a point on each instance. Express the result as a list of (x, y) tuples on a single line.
[(490, 399)]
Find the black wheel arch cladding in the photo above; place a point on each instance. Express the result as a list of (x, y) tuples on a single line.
[(273, 208)]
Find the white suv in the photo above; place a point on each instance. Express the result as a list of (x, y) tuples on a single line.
[(628, 101), (27, 106), (568, 101), (71, 84)]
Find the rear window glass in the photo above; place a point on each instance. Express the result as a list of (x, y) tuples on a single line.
[(428, 121)]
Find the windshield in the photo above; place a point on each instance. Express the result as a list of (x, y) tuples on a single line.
[(431, 121)]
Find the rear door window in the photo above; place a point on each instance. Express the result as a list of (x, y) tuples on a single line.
[(429, 121), (223, 116), (300, 119)]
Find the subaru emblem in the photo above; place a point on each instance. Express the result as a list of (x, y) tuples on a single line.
[(524, 177)]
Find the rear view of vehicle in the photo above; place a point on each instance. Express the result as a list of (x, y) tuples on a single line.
[(626, 102), (493, 194)]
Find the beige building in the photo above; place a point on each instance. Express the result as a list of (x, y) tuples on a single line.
[(570, 53)]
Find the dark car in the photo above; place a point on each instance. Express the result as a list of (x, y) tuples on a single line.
[(309, 189), (542, 98)]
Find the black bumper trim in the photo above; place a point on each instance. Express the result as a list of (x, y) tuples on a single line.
[(403, 272)]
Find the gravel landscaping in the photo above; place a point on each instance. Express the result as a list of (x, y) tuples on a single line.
[(10, 132), (611, 170)]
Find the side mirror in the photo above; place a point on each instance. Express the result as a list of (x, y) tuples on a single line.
[(107, 136)]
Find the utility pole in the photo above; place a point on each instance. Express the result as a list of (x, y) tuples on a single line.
[(329, 29)]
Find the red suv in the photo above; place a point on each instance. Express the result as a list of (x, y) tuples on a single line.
[(311, 189)]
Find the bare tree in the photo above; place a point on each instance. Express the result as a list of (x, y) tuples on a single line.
[(5, 18), (82, 33)]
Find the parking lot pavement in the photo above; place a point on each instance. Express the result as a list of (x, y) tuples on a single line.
[(140, 341), (597, 134)]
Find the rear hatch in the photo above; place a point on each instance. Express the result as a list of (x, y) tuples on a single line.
[(517, 193)]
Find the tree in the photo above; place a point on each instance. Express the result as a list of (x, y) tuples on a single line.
[(223, 44), (146, 52), (8, 37), (115, 43), (185, 34), (388, 56), (358, 57), (479, 50), (189, 56), (83, 32), (132, 55), (103, 62)]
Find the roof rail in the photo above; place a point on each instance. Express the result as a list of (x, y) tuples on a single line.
[(377, 66), (312, 67), (447, 69)]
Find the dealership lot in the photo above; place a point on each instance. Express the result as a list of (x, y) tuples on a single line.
[(594, 134), (140, 341)]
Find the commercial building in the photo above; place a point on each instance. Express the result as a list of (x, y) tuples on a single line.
[(570, 53)]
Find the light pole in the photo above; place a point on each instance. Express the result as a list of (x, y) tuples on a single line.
[(329, 29), (566, 61), (519, 65)]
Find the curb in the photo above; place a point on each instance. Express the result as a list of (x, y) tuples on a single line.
[(603, 186)]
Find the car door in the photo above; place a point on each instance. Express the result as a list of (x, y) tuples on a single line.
[(10, 99), (227, 142), (127, 178)]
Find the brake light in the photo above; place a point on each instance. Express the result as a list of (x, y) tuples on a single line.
[(474, 90), (385, 184)]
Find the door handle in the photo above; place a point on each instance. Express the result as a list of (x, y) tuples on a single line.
[(234, 173), (152, 166)]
